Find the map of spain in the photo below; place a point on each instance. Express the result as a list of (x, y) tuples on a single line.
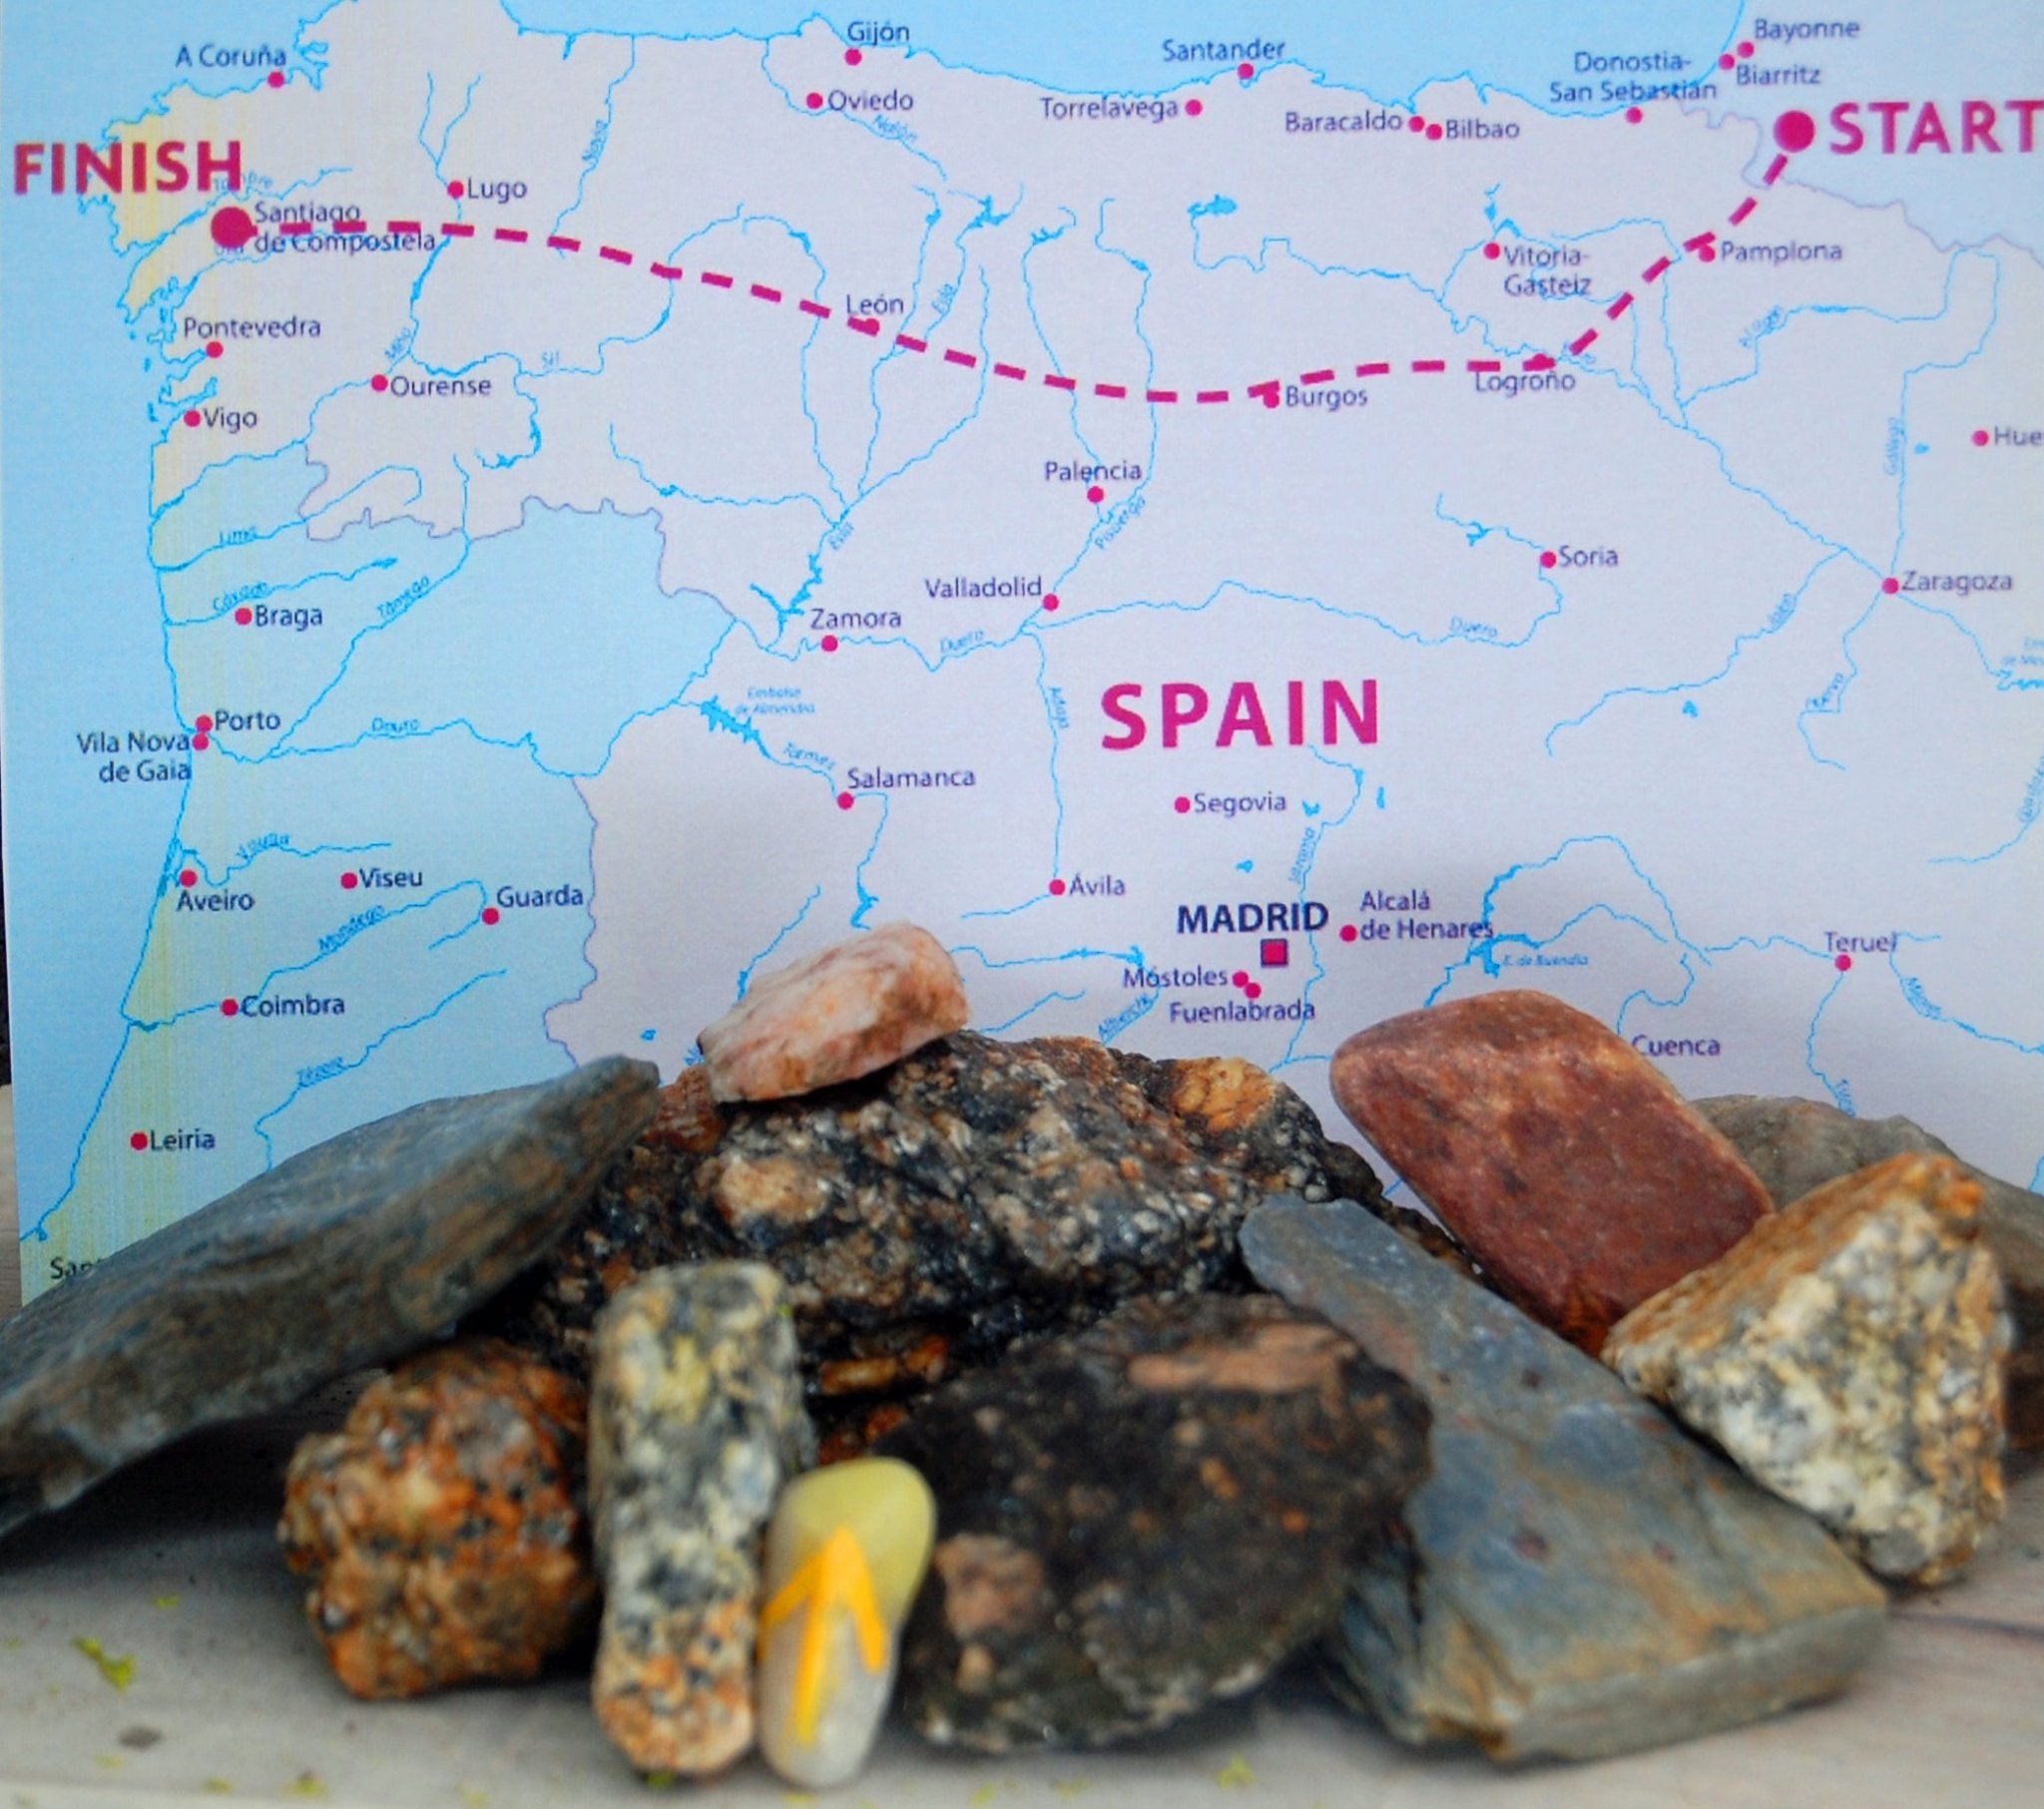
[(576, 511)]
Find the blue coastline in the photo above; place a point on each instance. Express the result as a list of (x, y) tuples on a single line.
[(1387, 51)]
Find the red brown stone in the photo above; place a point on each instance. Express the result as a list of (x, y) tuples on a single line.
[(1566, 1162)]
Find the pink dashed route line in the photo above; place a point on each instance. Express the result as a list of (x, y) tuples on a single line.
[(1793, 131)]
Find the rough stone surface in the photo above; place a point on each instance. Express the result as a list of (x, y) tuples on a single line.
[(846, 1551), (836, 1015), (443, 1523), (1848, 1354), (1794, 1146), (696, 1420), (924, 1217), (1578, 1577), (346, 1255), (1140, 1519), (1562, 1159)]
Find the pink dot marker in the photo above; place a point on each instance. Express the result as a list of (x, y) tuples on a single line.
[(1094, 494), (1182, 805), (1433, 134), (1246, 71), (456, 190), (830, 643), (1238, 978), (1844, 964), (214, 350), (1057, 888), (1195, 109), (1889, 586), (349, 881), (854, 57), (192, 417), (138, 1139), (1049, 601), (492, 915), (379, 382), (1493, 251), (188, 878), (1348, 932), (204, 724), (245, 615), (1548, 560), (1253, 991), (1633, 116), (1979, 436), (844, 800), (229, 1008), (1794, 131), (1708, 254), (200, 742), (1727, 60), (277, 78), (815, 101), (1745, 47), (1415, 124), (231, 228)]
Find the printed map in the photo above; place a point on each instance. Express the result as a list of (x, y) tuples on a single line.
[(518, 517)]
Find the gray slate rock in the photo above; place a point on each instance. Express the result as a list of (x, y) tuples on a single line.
[(1579, 1579), (353, 1252), (1797, 1146)]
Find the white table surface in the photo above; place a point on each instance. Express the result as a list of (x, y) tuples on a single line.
[(173, 1563)]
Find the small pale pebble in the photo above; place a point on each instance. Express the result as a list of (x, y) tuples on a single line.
[(1847, 1355), (845, 1553), (845, 1011)]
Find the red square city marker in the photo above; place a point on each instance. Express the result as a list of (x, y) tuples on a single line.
[(1273, 950)]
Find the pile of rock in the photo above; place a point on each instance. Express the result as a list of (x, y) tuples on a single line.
[(1127, 1381)]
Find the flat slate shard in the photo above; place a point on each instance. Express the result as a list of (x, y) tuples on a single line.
[(443, 1524), (696, 1421), (1794, 1146), (1847, 1355), (1140, 1519), (1566, 1162), (351, 1253), (1578, 1577), (836, 1015), (924, 1217)]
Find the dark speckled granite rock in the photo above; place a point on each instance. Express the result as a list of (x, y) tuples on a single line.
[(926, 1217), (1797, 1145), (1143, 1517), (1578, 1577), (351, 1253)]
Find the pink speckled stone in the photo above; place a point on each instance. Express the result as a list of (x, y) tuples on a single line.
[(843, 1012)]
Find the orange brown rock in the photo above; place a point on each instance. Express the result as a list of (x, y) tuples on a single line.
[(442, 1524), (1568, 1166), (846, 1011)]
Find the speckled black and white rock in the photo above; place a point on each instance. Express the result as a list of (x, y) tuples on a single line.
[(1847, 1355), (926, 1217), (1578, 1578), (696, 1420), (351, 1253), (1796, 1146), (1143, 1517)]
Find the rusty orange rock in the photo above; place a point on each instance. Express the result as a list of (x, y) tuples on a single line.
[(1567, 1163), (442, 1526)]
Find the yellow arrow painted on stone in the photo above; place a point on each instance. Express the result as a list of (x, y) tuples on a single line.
[(835, 1579)]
